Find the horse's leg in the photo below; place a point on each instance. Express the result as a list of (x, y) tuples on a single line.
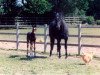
[(27, 47), (31, 49), (66, 47), (51, 45), (28, 41), (59, 47), (34, 48), (27, 44)]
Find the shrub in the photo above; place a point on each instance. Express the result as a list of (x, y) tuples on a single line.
[(98, 22), (90, 20), (84, 21)]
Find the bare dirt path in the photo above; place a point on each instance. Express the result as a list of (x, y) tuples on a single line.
[(39, 47)]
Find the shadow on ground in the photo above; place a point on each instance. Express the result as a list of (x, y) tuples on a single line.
[(27, 57)]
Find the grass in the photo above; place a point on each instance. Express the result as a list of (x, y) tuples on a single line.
[(11, 64), (16, 64)]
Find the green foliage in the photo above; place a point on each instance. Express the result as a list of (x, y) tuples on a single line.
[(90, 20), (94, 8), (82, 6), (76, 7), (1, 10), (1, 1), (98, 22), (38, 6), (44, 65), (1, 7)]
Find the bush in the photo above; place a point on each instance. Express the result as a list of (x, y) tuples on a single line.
[(90, 20), (98, 22), (84, 21)]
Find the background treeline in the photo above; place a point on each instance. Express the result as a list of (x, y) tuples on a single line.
[(41, 11)]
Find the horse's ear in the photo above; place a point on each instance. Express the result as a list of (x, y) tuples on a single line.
[(34, 27)]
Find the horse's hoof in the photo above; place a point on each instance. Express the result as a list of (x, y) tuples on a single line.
[(50, 55), (66, 57), (59, 57), (31, 57)]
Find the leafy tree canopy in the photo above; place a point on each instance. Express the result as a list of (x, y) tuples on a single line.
[(1, 7), (76, 7), (38, 6)]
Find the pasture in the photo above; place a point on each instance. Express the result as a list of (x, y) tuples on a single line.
[(15, 62)]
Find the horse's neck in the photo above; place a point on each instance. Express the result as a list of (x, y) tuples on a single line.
[(53, 22), (32, 32)]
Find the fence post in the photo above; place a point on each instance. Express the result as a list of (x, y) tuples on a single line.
[(79, 39), (17, 35), (45, 37)]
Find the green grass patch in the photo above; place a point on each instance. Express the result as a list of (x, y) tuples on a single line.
[(43, 65)]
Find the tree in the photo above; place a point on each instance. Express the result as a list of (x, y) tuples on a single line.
[(97, 5), (74, 7), (38, 6), (90, 11), (30, 6), (97, 9), (12, 6), (8, 6), (94, 9), (1, 7)]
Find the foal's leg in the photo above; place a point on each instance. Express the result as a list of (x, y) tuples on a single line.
[(34, 48), (59, 47), (31, 47), (51, 45), (66, 47)]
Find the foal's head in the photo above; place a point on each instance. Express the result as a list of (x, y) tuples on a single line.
[(33, 30)]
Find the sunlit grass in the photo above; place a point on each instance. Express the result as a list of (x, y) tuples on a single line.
[(18, 64)]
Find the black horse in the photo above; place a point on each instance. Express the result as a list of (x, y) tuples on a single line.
[(58, 30), (31, 39)]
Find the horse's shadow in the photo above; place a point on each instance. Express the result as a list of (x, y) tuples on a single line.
[(81, 64), (27, 58), (35, 57), (13, 56)]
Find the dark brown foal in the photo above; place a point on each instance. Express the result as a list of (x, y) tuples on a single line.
[(31, 40)]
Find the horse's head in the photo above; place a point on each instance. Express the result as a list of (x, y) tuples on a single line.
[(58, 20), (33, 29)]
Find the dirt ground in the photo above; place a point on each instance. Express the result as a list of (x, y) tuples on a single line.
[(40, 48)]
